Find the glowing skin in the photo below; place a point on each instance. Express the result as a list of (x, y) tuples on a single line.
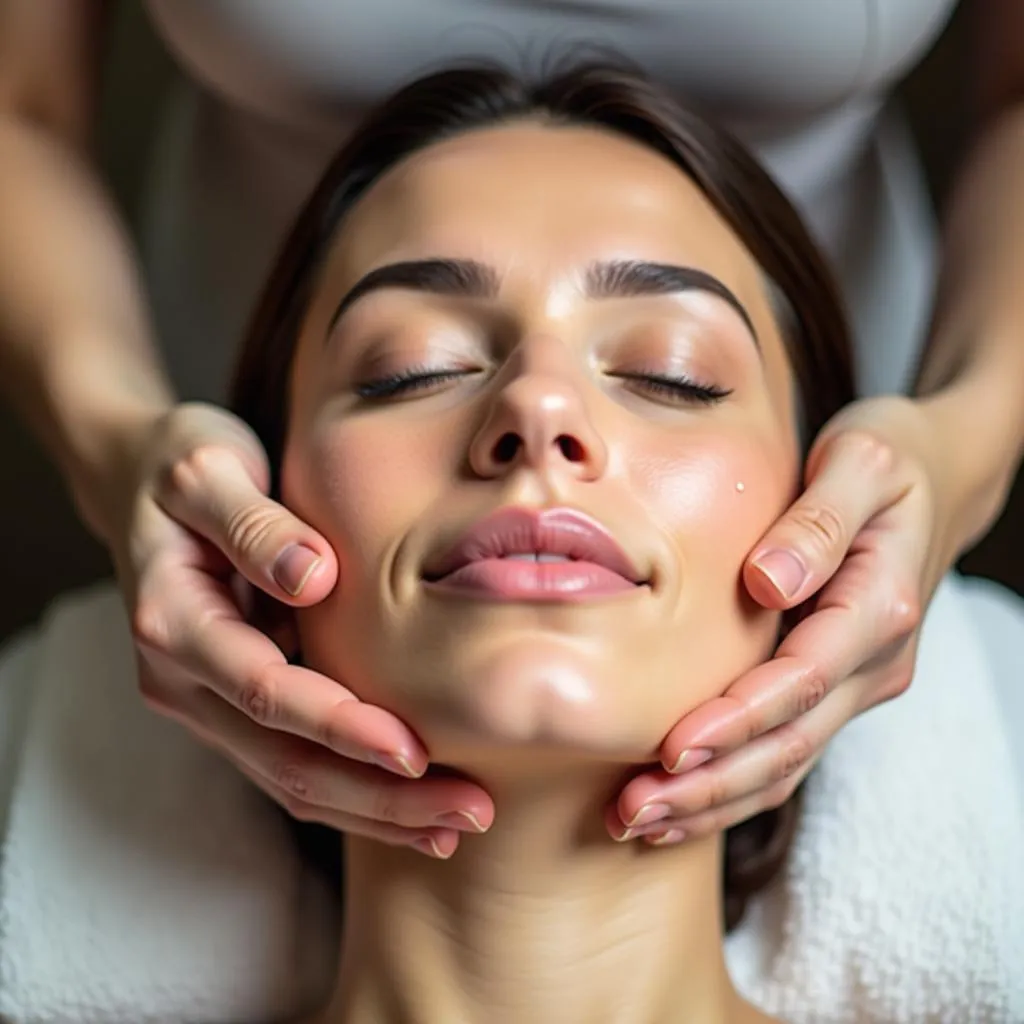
[(390, 483), (543, 702)]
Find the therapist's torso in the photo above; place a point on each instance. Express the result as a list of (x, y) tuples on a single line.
[(803, 82)]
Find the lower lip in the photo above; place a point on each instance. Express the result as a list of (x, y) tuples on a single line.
[(511, 579)]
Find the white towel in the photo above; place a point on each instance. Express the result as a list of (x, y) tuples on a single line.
[(902, 900), (142, 880)]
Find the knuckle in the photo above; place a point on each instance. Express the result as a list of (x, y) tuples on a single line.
[(778, 793), (149, 626), (903, 611), (754, 721), (300, 810), (332, 733), (705, 797), (154, 698), (898, 682), (871, 454), (292, 780), (256, 699), (811, 692), (719, 791), (706, 825), (795, 753), (823, 524), (902, 680), (384, 806), (186, 474)]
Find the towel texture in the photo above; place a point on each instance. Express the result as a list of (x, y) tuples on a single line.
[(143, 880)]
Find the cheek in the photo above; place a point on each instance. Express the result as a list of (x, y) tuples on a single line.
[(718, 490), (711, 524), (714, 497), (362, 485)]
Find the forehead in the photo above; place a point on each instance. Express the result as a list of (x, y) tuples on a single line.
[(540, 198)]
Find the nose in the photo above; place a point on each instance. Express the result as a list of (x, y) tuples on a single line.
[(539, 420)]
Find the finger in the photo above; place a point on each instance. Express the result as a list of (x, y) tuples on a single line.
[(865, 615), (439, 843), (769, 767), (672, 831), (211, 491), (853, 477), (790, 686), (193, 627), (314, 786)]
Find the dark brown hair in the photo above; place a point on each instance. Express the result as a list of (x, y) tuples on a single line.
[(612, 98)]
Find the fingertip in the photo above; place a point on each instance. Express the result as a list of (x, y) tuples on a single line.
[(637, 794), (373, 734), (440, 844), (615, 825), (407, 765), (480, 818), (674, 746), (775, 578), (673, 761), (304, 574), (690, 758)]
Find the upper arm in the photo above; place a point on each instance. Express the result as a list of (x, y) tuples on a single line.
[(997, 57), (49, 63)]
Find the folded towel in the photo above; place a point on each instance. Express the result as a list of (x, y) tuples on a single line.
[(143, 880), (903, 897)]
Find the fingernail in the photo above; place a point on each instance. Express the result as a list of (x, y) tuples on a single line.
[(627, 834), (464, 821), (648, 814), (398, 764), (428, 845), (294, 566), (692, 757), (784, 570), (669, 838)]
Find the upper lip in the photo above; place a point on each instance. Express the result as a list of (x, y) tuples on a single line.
[(551, 531)]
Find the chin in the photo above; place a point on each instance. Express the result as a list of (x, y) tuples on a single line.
[(573, 687), (539, 696)]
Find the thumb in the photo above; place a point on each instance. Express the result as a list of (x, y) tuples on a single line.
[(851, 483), (212, 493)]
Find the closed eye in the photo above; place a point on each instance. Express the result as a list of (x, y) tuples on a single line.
[(676, 388), (408, 382)]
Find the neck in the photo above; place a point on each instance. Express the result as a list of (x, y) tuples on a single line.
[(544, 919)]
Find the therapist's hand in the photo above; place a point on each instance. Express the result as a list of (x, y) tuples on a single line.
[(196, 523), (868, 540)]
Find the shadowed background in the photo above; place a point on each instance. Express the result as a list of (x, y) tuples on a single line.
[(47, 551)]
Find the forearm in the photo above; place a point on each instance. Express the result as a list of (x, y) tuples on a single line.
[(77, 358), (972, 373)]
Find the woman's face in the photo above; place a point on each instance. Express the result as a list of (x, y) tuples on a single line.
[(542, 410)]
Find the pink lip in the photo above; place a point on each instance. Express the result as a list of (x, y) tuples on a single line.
[(595, 565)]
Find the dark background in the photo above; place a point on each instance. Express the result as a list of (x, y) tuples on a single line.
[(47, 551)]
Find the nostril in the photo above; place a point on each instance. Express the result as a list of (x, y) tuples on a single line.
[(570, 448), (506, 448)]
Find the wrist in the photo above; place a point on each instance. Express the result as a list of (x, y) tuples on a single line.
[(977, 431), (98, 416), (101, 466)]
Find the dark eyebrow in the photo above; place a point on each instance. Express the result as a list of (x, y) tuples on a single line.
[(626, 278), (440, 277), (606, 280)]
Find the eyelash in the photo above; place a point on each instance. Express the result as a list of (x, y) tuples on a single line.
[(679, 388), (405, 382)]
